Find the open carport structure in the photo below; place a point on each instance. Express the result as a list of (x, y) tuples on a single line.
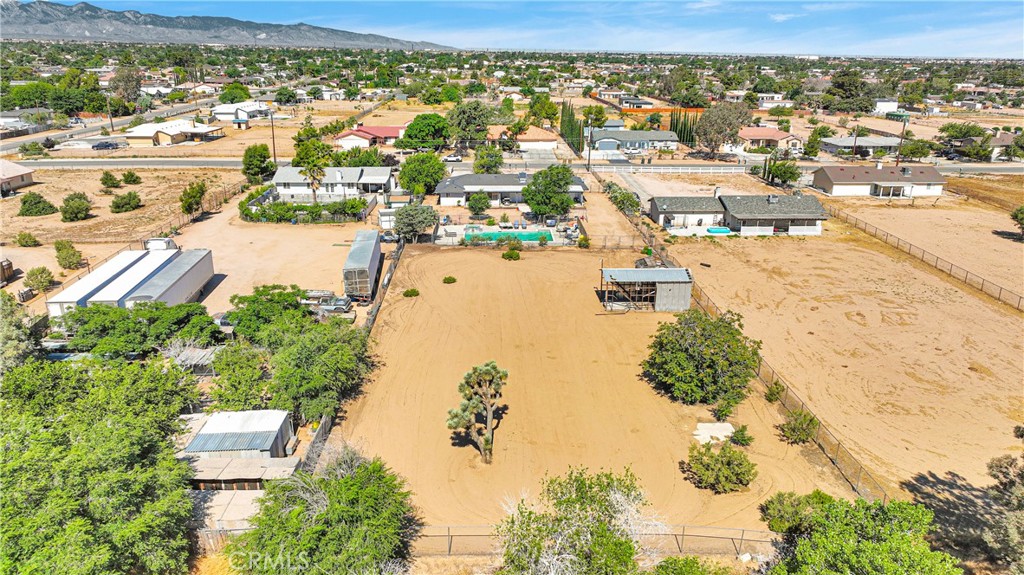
[(651, 289)]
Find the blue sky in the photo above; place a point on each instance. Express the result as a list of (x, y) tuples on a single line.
[(964, 28)]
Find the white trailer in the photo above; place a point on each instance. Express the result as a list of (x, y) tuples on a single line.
[(181, 281), (78, 293), (117, 290), (362, 266)]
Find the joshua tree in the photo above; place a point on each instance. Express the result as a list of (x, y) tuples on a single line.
[(481, 390)]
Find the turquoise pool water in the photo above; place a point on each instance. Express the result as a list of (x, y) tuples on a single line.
[(525, 236), (719, 230)]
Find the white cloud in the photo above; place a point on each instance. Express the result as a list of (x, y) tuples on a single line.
[(703, 5), (782, 17), (831, 6)]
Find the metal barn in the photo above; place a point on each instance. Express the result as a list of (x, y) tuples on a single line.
[(651, 289), (362, 267), (180, 282)]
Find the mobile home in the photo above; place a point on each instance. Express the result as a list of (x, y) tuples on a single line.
[(117, 291), (78, 293), (180, 282)]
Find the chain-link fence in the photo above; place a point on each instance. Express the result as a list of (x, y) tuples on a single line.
[(371, 315), (991, 288)]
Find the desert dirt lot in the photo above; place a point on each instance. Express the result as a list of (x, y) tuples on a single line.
[(974, 236), (159, 190), (1006, 191), (574, 393), (913, 373)]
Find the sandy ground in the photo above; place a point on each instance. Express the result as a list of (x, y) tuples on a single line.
[(976, 237), (697, 184), (25, 259), (574, 395), (159, 190), (1006, 191), (912, 372)]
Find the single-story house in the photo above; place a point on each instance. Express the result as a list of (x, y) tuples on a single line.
[(243, 434), (634, 103), (610, 93), (634, 139), (768, 215), (614, 125), (870, 143), (687, 211), (533, 138), (13, 176), (240, 113), (880, 181), (171, 132), (368, 136), (885, 105), (339, 184), (734, 95), (757, 137), (500, 188), (998, 143), (157, 91), (13, 118), (197, 88)]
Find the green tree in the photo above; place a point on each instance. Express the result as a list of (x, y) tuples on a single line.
[(234, 93), (27, 240), (38, 278), (784, 172), (109, 180), (480, 390), (353, 516), (125, 203), (68, 257), (267, 307), (191, 198), (33, 204), (75, 208), (724, 471), (1005, 536), (962, 130), (307, 132), (256, 164), (411, 220), (547, 193), (583, 523), (721, 124), (242, 381), (750, 99), (478, 203), (314, 172), (1018, 219), (316, 92), (858, 132), (787, 512), (623, 199), (130, 178), (310, 152), (866, 537), (542, 108), (17, 343), (689, 565), (915, 149), (426, 170), (425, 131), (451, 93), (594, 116), (285, 96), (127, 83), (468, 122), (488, 160)]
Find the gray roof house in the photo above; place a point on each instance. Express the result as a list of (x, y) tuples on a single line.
[(244, 434), (879, 180), (869, 143), (686, 211), (504, 189), (339, 184), (634, 139), (769, 215)]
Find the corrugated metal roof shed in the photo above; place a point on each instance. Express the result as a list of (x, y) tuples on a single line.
[(253, 430), (361, 254), (245, 441), (143, 269), (95, 281), (653, 275), (165, 278)]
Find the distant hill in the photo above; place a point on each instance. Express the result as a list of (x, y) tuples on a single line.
[(85, 22)]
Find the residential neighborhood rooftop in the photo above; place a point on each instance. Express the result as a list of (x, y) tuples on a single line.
[(884, 174), (774, 206)]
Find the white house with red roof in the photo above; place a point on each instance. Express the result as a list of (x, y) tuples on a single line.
[(758, 137), (367, 136)]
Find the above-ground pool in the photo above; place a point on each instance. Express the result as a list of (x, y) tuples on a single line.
[(525, 236), (719, 230)]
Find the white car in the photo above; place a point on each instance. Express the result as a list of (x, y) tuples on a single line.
[(452, 158)]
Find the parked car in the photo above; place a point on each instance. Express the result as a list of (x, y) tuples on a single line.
[(632, 151), (104, 146), (389, 237), (452, 158)]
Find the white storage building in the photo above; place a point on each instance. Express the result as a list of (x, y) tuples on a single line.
[(181, 281), (117, 291), (362, 266), (78, 293)]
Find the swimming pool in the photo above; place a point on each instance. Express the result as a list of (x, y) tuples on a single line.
[(525, 236), (719, 231)]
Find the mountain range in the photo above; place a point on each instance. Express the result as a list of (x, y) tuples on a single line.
[(84, 22)]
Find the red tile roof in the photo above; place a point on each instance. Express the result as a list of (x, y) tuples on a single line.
[(753, 133)]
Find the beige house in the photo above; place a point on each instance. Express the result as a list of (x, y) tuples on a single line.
[(14, 176), (171, 132)]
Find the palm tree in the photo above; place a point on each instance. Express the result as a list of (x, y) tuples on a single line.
[(857, 132), (314, 171)]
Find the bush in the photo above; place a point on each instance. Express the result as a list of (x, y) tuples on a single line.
[(32, 204), (515, 244), (26, 240), (131, 178), (67, 256), (723, 472), (109, 180), (411, 292), (800, 426), (511, 255), (491, 222), (125, 203), (32, 149), (449, 279), (774, 392), (787, 512), (755, 170), (741, 436), (75, 208), (542, 241), (38, 278), (583, 242), (689, 565), (106, 191), (478, 203)]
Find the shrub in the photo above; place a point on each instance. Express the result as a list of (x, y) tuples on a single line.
[(504, 218), (774, 392), (800, 426), (511, 255), (26, 240), (787, 512), (449, 279), (130, 178), (125, 203), (104, 132), (478, 203), (75, 208), (106, 191), (109, 180), (491, 222), (741, 436), (411, 292), (689, 565), (583, 242), (542, 241), (725, 471), (38, 278), (32, 204), (515, 244), (32, 149), (755, 170), (67, 256)]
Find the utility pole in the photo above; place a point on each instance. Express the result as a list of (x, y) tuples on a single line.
[(273, 140), (590, 140), (110, 116), (899, 150)]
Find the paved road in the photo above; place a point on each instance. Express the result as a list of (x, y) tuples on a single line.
[(167, 163)]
